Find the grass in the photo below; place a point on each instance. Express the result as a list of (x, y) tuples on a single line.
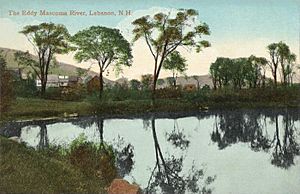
[(29, 108), (24, 170)]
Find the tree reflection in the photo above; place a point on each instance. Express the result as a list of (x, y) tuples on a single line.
[(284, 152), (124, 153), (167, 175), (234, 127), (44, 140), (177, 137)]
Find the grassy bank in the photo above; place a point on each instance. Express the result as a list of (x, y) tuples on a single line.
[(24, 170), (177, 101)]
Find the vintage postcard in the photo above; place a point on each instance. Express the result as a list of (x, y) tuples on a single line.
[(154, 97)]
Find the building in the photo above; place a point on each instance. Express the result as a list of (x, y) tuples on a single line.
[(59, 81), (93, 84)]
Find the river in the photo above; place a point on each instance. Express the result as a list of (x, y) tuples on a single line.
[(241, 151)]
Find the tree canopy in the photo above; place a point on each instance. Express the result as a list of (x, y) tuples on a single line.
[(47, 40), (164, 33), (105, 46)]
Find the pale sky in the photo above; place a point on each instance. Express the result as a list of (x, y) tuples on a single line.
[(239, 28)]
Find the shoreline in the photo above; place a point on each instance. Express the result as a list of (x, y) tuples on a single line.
[(40, 109)]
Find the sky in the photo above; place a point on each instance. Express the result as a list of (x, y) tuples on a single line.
[(238, 28)]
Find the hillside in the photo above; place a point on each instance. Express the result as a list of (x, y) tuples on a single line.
[(70, 70), (59, 69)]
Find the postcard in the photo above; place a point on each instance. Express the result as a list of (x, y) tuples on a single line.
[(154, 97)]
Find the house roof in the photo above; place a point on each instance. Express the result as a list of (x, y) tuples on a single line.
[(52, 78)]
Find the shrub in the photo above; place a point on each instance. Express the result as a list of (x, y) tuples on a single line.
[(98, 160)]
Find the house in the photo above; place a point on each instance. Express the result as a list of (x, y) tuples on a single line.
[(74, 80), (52, 81), (93, 84), (55, 81), (63, 80), (189, 87)]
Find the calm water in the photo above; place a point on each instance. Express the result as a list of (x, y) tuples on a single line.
[(225, 151)]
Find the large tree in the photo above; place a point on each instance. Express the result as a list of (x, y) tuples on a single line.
[(47, 40), (176, 64), (273, 64), (259, 66), (105, 46), (287, 58), (281, 54), (164, 34)]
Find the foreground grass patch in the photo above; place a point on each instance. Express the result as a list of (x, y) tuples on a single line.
[(23, 170)]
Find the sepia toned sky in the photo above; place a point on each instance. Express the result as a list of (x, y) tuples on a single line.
[(239, 28)]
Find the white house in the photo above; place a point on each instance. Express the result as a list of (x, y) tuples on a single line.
[(55, 81)]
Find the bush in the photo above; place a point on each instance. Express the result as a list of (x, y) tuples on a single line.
[(168, 93), (71, 93), (6, 87), (25, 88), (98, 160)]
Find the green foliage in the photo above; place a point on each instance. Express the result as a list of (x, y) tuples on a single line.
[(238, 73), (6, 86), (91, 158), (47, 40), (176, 64), (105, 46), (24, 170), (147, 81), (81, 72), (164, 34), (135, 84), (70, 93), (25, 88)]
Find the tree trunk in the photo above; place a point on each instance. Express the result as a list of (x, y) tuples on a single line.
[(154, 88), (100, 84), (275, 76), (43, 87)]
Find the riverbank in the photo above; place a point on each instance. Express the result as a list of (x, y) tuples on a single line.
[(34, 108), (24, 170)]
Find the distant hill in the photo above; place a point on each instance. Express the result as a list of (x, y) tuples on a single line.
[(59, 69)]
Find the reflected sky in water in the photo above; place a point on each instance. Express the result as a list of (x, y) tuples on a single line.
[(222, 152)]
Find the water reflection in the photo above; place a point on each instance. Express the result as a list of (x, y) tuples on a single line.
[(285, 151), (250, 128), (44, 140), (176, 155), (177, 137), (124, 152), (167, 175)]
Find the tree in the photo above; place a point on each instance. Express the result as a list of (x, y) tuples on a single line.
[(175, 63), (135, 84), (47, 40), (290, 68), (81, 72), (197, 79), (164, 34), (105, 46), (259, 64), (273, 64), (160, 82), (147, 81), (6, 86)]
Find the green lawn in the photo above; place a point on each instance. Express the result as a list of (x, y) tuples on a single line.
[(24, 170)]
